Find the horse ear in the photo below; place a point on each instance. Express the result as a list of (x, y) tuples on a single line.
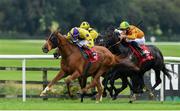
[(59, 29), (56, 32)]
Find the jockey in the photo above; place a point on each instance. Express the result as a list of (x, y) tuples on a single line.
[(85, 25), (133, 35), (82, 38)]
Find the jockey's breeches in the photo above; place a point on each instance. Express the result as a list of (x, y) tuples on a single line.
[(140, 41), (86, 43)]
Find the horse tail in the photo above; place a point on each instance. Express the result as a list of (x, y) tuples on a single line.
[(167, 72)]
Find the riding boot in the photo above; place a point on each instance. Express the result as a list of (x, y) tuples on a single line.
[(137, 46)]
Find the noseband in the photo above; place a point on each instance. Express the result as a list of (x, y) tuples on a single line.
[(54, 41)]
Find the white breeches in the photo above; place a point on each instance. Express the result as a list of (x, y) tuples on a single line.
[(140, 41), (83, 42)]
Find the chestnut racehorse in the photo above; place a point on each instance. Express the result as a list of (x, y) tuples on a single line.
[(73, 63)]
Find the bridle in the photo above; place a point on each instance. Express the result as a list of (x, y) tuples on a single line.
[(111, 46), (118, 42), (54, 40)]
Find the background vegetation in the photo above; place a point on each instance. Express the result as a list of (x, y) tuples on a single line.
[(36, 17)]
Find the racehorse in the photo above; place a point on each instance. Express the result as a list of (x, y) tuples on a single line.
[(74, 64), (119, 47)]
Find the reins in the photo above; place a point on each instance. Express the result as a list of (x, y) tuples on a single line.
[(115, 44)]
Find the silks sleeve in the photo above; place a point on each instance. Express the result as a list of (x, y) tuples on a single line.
[(93, 33)]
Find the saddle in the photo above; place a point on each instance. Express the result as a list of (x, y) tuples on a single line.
[(88, 55), (140, 58)]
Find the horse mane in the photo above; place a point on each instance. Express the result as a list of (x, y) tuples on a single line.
[(64, 41), (109, 39)]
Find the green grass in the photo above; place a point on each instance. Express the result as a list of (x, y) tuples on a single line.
[(30, 75), (107, 104), (34, 47), (170, 50), (21, 46), (25, 47)]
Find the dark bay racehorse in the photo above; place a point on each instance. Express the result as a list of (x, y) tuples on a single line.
[(120, 48), (73, 63)]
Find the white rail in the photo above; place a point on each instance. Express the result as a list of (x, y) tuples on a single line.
[(24, 57), (177, 59)]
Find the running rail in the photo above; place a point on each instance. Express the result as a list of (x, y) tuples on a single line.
[(24, 57)]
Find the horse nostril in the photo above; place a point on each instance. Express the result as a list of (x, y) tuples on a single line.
[(45, 50)]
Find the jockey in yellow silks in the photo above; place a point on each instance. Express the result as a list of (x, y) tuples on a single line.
[(133, 35), (81, 38), (87, 33), (82, 35), (85, 25)]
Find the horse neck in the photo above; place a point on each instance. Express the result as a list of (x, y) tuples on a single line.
[(124, 48), (67, 48), (121, 50)]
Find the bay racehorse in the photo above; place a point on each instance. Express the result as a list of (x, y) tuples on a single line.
[(113, 43), (73, 63)]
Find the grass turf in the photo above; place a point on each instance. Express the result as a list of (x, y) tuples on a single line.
[(107, 104)]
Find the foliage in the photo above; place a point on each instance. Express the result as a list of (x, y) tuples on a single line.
[(160, 17)]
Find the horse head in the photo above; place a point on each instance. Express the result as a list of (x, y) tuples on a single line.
[(111, 40), (54, 40)]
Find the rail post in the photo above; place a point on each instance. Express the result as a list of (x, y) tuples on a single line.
[(45, 81), (24, 80)]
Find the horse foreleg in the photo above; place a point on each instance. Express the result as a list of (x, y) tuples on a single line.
[(69, 79), (158, 81), (105, 84), (82, 81), (93, 83), (100, 91), (59, 75), (124, 85), (112, 80)]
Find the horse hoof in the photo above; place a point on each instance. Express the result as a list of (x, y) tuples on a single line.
[(43, 94), (114, 98), (111, 95), (132, 98), (101, 98), (130, 101), (151, 96), (104, 94)]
